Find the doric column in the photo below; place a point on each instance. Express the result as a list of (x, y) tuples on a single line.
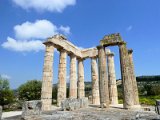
[(46, 93), (61, 95), (95, 84), (103, 79), (73, 77), (133, 78), (126, 79), (81, 92), (113, 95)]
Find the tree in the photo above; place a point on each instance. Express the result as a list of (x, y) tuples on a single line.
[(31, 90), (6, 94)]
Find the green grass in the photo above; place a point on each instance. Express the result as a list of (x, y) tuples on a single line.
[(145, 100), (149, 100)]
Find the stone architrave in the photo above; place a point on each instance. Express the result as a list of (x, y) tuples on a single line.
[(95, 82), (73, 77), (126, 79), (46, 93), (61, 95), (133, 78), (103, 79), (113, 95), (81, 92)]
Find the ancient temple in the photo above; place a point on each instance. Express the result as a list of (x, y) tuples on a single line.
[(104, 88)]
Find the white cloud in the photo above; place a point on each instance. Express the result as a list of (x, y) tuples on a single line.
[(45, 5), (23, 46), (40, 29), (5, 76), (30, 35), (65, 30), (129, 28)]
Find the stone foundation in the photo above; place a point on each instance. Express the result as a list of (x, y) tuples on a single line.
[(31, 108)]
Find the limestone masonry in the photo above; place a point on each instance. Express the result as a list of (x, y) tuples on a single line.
[(104, 88)]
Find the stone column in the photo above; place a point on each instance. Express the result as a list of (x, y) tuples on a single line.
[(113, 95), (46, 93), (95, 84), (126, 79), (103, 79), (81, 92), (73, 77), (61, 95), (133, 78)]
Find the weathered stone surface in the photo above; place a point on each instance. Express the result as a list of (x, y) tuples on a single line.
[(111, 40), (0, 112), (97, 114), (71, 104), (90, 52), (157, 106), (126, 79), (73, 77), (95, 82), (31, 108), (103, 79), (113, 94), (133, 78), (62, 42), (83, 102), (61, 95), (46, 94), (81, 92)]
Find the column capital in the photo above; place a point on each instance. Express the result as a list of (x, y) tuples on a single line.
[(110, 54), (71, 55), (100, 47), (122, 43), (94, 57), (47, 43), (130, 51), (61, 50), (80, 59)]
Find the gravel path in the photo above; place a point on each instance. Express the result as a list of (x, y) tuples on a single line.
[(11, 114)]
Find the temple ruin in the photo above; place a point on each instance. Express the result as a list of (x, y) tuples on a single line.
[(104, 88)]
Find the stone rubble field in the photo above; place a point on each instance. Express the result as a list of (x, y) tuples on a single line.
[(91, 113)]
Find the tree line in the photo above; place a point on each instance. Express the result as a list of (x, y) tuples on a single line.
[(31, 90)]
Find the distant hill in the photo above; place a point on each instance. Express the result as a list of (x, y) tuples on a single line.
[(148, 78), (152, 78)]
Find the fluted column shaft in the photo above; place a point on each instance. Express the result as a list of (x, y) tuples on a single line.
[(133, 78), (61, 95), (81, 92), (126, 79), (113, 95), (73, 77), (95, 82), (103, 79), (46, 93)]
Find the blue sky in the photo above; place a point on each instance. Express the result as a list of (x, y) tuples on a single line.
[(24, 24)]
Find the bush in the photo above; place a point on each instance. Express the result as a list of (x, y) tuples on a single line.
[(6, 94), (30, 90)]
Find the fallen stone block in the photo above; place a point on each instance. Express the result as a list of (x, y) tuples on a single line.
[(157, 106), (71, 104), (83, 102), (31, 108), (0, 112)]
